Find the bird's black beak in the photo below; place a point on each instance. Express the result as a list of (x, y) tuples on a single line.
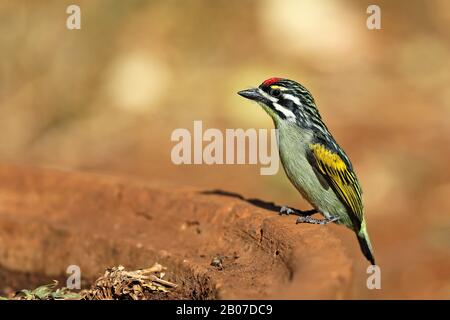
[(251, 94)]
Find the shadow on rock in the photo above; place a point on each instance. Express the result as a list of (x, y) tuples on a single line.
[(256, 202)]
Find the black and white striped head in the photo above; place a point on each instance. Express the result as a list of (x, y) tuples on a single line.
[(285, 100)]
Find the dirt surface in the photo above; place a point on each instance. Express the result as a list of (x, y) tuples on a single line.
[(216, 245)]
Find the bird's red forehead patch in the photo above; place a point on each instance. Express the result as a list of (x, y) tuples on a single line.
[(271, 81)]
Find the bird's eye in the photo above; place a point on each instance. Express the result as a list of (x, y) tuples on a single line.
[(275, 92)]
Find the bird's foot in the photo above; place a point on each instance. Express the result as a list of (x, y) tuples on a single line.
[(285, 210), (308, 219)]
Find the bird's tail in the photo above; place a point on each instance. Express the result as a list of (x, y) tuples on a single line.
[(364, 243)]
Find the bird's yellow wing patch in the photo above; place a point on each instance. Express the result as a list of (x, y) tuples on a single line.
[(340, 177)]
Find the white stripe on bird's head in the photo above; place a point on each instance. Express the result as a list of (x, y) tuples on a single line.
[(286, 112), (294, 99), (267, 96), (290, 116)]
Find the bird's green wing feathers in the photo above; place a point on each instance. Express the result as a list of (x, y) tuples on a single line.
[(340, 177)]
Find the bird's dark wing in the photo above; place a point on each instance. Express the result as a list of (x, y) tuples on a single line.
[(337, 171)]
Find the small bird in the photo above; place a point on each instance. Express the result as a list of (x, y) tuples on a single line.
[(313, 161)]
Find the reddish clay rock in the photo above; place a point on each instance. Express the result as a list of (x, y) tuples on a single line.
[(52, 219)]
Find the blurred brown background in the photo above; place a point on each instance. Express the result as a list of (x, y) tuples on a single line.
[(107, 97)]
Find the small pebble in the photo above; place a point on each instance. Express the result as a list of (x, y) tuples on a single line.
[(217, 262)]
